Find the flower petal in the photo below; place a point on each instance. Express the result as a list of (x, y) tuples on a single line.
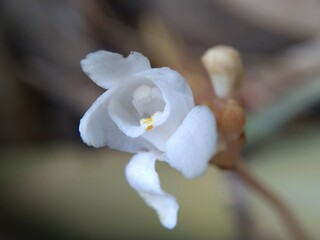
[(178, 103), (107, 69), (142, 176), (98, 130), (193, 144), (166, 78)]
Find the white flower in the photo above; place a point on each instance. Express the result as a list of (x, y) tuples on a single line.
[(149, 112)]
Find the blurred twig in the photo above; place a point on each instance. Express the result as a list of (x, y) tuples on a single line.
[(287, 85), (284, 212), (277, 75), (264, 122), (295, 18), (108, 28)]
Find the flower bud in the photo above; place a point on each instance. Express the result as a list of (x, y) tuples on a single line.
[(224, 66)]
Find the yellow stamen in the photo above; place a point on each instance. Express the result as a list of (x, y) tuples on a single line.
[(147, 122), (149, 127)]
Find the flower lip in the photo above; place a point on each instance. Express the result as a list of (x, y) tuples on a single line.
[(137, 107)]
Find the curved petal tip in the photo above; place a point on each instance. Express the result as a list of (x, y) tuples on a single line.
[(142, 176)]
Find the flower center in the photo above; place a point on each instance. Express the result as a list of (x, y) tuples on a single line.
[(147, 122), (142, 94), (149, 104)]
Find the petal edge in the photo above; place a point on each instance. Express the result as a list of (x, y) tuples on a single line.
[(107, 69), (98, 130), (190, 148), (141, 175)]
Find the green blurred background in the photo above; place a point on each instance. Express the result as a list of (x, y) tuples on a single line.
[(52, 186)]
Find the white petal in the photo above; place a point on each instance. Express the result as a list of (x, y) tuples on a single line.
[(194, 143), (142, 176), (98, 130), (107, 69), (166, 77), (125, 121), (178, 103)]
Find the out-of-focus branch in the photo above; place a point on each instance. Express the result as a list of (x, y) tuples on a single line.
[(269, 80), (283, 16), (108, 28), (263, 123), (282, 87), (283, 211)]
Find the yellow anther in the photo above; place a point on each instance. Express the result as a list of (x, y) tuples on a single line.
[(147, 122), (149, 127)]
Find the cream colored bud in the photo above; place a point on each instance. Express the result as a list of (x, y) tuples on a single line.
[(224, 66)]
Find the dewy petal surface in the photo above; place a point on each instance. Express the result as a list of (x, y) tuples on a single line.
[(142, 176), (193, 144), (97, 129), (108, 69)]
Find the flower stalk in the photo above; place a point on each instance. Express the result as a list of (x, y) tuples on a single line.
[(224, 66), (283, 211)]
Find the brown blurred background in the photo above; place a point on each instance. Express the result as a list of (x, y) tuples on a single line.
[(53, 186)]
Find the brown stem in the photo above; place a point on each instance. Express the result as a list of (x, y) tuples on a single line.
[(284, 212)]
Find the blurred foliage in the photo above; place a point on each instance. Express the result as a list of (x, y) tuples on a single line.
[(62, 192)]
